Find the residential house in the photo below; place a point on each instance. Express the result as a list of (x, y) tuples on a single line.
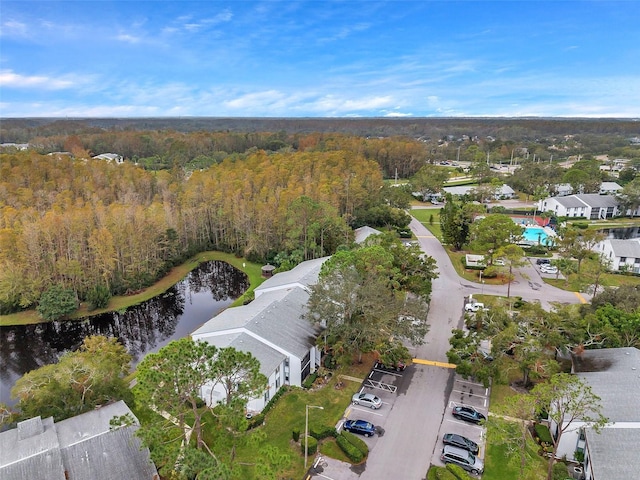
[(609, 188), (614, 375), (622, 255), (273, 329), (591, 206), (78, 448), (110, 157), (502, 193), (362, 233)]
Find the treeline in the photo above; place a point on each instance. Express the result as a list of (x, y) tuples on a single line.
[(86, 223)]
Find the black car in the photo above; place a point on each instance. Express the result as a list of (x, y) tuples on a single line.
[(468, 414), (543, 261), (460, 442), (360, 426)]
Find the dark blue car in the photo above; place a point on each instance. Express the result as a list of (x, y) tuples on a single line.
[(468, 414), (360, 426)]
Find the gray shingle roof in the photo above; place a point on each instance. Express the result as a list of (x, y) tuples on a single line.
[(79, 448), (362, 233), (614, 375), (614, 453), (626, 248), (275, 316), (593, 200), (305, 274)]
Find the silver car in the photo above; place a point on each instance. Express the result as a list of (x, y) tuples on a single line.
[(463, 458), (366, 399)]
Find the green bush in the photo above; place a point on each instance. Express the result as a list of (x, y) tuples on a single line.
[(295, 434), (560, 471), (57, 302), (357, 442), (458, 472), (349, 449), (312, 445), (440, 473), (543, 434), (581, 225), (537, 250), (490, 272), (322, 431), (308, 382), (98, 296)]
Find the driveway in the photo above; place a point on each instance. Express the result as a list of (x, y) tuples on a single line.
[(421, 405)]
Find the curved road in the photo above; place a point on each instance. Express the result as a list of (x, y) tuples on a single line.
[(413, 421)]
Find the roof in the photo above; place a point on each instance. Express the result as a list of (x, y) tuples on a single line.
[(625, 248), (80, 447), (614, 376), (268, 357), (466, 189), (275, 318), (303, 274), (587, 200), (613, 453), (609, 186), (362, 233)]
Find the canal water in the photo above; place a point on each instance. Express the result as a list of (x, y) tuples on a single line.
[(142, 328)]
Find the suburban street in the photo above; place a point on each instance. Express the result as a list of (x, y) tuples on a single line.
[(412, 420)]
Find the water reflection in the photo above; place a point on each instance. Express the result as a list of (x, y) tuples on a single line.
[(142, 329)]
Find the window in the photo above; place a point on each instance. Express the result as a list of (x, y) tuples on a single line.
[(623, 259)]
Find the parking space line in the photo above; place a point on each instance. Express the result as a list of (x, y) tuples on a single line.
[(471, 383), (471, 394), (464, 423), (386, 372), (371, 410)]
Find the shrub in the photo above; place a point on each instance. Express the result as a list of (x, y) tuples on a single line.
[(581, 225), (490, 272), (357, 442), (543, 434), (295, 434), (560, 471), (312, 445), (323, 431), (537, 250), (57, 302), (308, 382), (349, 450), (458, 472), (98, 296), (439, 473)]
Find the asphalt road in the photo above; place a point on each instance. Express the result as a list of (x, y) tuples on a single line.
[(412, 417)]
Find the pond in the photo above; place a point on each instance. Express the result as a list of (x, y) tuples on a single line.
[(142, 328)]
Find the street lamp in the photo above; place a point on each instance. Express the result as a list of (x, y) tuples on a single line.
[(306, 432)]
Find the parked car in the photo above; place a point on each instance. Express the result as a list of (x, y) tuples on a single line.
[(473, 307), (461, 442), (366, 399), (463, 458), (543, 261), (361, 427), (499, 262), (398, 367), (549, 269), (468, 414)]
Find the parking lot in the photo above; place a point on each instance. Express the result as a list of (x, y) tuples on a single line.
[(467, 393)]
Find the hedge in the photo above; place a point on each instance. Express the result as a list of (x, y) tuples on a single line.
[(357, 442), (543, 433), (439, 473), (458, 472), (322, 432), (312, 445), (349, 449), (308, 382)]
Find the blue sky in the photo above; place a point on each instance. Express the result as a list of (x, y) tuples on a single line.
[(319, 58)]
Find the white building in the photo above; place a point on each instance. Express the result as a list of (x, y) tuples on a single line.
[(591, 206), (273, 330), (503, 192), (110, 157), (614, 375), (622, 255)]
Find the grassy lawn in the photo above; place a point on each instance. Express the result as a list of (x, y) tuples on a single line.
[(253, 271), (502, 461), (430, 218)]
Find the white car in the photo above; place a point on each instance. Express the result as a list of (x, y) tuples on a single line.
[(548, 269), (473, 307)]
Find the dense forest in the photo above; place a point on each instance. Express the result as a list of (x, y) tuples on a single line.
[(84, 222)]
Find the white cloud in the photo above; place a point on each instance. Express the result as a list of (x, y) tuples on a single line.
[(14, 28), (125, 37), (9, 79)]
